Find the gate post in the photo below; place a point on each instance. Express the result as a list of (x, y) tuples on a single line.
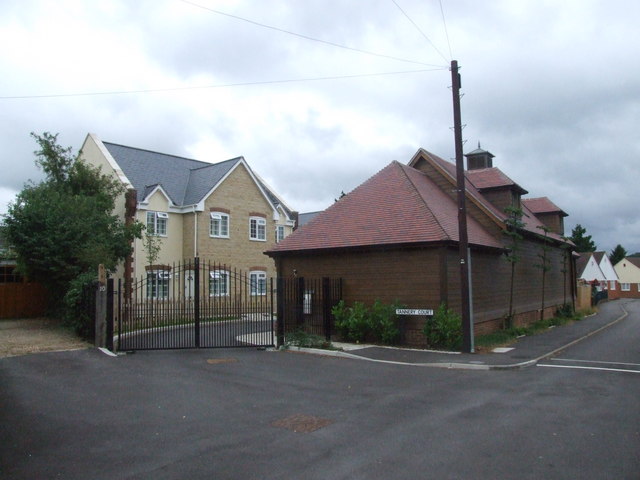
[(196, 299), (280, 312), (326, 308), (109, 312), (101, 309)]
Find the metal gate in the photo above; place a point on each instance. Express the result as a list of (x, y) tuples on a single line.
[(194, 305)]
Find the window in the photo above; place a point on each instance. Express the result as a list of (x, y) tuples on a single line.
[(158, 284), (218, 283), (157, 223), (219, 226), (279, 233), (612, 285), (257, 228), (258, 281), (625, 287)]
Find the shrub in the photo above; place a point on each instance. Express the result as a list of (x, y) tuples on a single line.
[(444, 330), (303, 339), (75, 313), (565, 311), (383, 322), (358, 323)]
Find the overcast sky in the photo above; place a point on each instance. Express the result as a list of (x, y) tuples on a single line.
[(551, 88)]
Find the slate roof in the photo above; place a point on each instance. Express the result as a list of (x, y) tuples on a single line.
[(542, 205), (185, 181), (398, 206), (306, 217)]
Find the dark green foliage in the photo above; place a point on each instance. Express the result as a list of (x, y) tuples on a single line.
[(617, 254), (302, 339), (383, 322), (582, 241), (444, 330), (81, 292), (358, 323), (565, 311), (64, 227)]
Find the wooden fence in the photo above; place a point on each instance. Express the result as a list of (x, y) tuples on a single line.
[(22, 300)]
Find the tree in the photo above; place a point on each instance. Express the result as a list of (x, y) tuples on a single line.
[(617, 254), (64, 227), (544, 265), (582, 242), (514, 225)]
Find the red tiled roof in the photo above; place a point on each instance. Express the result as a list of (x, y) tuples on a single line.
[(485, 178), (531, 222), (542, 205), (398, 205)]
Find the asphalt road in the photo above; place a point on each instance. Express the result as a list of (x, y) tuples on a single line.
[(247, 414)]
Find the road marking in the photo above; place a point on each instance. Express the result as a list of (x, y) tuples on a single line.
[(594, 361), (577, 367)]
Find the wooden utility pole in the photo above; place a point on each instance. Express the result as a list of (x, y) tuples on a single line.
[(463, 241)]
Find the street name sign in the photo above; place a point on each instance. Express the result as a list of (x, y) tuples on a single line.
[(414, 311)]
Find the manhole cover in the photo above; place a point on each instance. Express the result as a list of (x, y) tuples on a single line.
[(216, 361), (301, 423)]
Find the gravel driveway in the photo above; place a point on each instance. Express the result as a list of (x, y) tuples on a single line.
[(35, 335)]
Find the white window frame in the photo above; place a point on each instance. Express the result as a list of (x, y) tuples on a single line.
[(157, 223), (218, 278), (258, 283), (158, 284), (257, 229), (279, 233), (625, 287), (612, 285), (219, 225)]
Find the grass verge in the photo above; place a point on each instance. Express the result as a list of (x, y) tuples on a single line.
[(506, 337)]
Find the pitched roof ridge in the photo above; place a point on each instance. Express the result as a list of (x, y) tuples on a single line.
[(208, 164), (422, 200)]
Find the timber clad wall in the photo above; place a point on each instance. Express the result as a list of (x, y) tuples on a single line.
[(22, 300), (409, 276)]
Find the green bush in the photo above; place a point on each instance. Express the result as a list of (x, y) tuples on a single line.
[(74, 311), (383, 322), (303, 339), (444, 330), (565, 311), (358, 323)]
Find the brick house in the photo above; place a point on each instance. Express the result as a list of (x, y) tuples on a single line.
[(395, 237), (628, 271), (220, 212)]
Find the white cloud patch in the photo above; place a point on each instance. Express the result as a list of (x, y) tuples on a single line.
[(550, 89)]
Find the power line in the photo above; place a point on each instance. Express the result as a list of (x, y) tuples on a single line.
[(306, 37), (419, 30), (446, 32), (227, 85)]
